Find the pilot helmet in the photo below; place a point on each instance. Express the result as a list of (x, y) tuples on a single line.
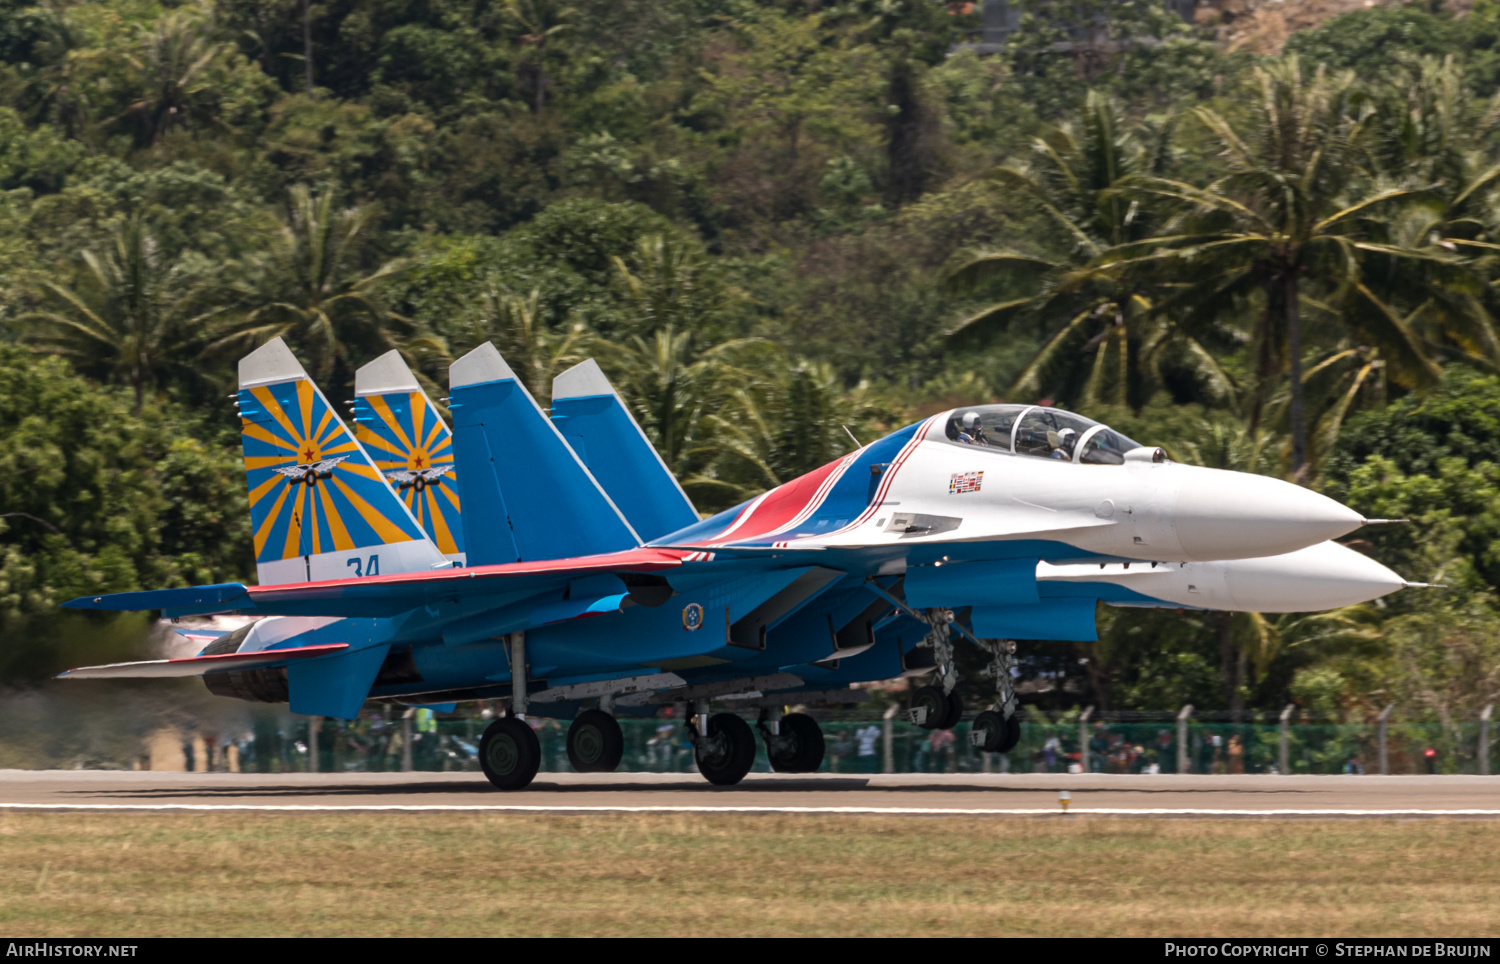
[(970, 421), (1066, 437)]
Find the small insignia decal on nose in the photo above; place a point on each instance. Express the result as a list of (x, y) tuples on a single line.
[(692, 617), (962, 482)]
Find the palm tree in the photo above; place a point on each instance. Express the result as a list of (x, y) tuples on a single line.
[(540, 22), (132, 319), (665, 283), (534, 351), (785, 422), (1281, 222), (680, 393), (1103, 343), (314, 293), (172, 70)]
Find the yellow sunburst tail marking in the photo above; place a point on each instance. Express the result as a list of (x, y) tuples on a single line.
[(319, 508), (394, 418)]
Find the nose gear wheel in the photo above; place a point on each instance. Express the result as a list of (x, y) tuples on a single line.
[(993, 733)]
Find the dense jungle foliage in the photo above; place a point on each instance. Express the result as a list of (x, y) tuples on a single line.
[(768, 220)]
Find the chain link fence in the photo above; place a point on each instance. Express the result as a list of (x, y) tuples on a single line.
[(281, 744)]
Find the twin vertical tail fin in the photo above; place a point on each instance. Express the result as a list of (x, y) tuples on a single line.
[(412, 446), (593, 418), (319, 507), (527, 494)]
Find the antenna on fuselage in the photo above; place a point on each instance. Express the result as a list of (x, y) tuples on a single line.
[(856, 441)]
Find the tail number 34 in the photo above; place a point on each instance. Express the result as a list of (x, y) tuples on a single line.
[(364, 567)]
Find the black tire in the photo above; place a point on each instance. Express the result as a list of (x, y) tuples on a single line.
[(1012, 735), (955, 711), (805, 754), (936, 703), (509, 753), (729, 766), (595, 743), (992, 725)]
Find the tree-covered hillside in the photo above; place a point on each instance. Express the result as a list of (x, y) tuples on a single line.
[(769, 220)]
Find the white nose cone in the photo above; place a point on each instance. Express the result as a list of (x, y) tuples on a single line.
[(1327, 576), (1236, 515)]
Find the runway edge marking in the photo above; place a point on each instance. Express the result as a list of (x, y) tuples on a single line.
[(887, 811)]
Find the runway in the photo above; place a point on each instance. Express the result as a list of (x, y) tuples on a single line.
[(895, 794)]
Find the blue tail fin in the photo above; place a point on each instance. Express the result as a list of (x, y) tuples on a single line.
[(319, 509), (527, 495), (401, 429), (594, 420)]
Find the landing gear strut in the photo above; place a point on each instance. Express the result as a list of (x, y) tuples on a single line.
[(938, 707), (509, 753), (724, 747), (595, 743), (998, 730), (794, 742)]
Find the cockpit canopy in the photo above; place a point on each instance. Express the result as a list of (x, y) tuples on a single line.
[(1039, 431)]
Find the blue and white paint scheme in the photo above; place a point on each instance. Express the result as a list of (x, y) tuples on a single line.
[(589, 577)]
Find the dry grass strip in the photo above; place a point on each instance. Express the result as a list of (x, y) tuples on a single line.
[(80, 874)]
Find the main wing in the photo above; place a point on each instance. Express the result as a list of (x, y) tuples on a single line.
[(386, 595)]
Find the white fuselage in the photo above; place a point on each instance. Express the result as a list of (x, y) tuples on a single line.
[(1142, 509)]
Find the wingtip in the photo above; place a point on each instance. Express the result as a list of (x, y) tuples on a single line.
[(270, 363), (483, 364), (386, 374)]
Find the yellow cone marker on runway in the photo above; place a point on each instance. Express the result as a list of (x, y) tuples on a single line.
[(1063, 798)]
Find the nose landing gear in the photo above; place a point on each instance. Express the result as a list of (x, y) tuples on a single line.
[(932, 709), (994, 733)]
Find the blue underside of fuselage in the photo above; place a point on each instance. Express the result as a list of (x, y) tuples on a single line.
[(642, 640)]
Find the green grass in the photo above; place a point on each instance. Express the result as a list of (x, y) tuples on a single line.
[(64, 874)]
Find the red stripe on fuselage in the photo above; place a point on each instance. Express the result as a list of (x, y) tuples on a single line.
[(782, 506), (906, 452)]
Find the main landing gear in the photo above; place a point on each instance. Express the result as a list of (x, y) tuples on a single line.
[(724, 747), (794, 741), (595, 743), (510, 753)]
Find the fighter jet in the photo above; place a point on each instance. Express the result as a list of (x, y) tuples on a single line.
[(592, 588)]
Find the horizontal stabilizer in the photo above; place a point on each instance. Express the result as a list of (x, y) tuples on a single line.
[(526, 494), (594, 420), (179, 602), (198, 665)]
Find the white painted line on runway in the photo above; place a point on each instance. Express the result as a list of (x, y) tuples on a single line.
[(878, 811)]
